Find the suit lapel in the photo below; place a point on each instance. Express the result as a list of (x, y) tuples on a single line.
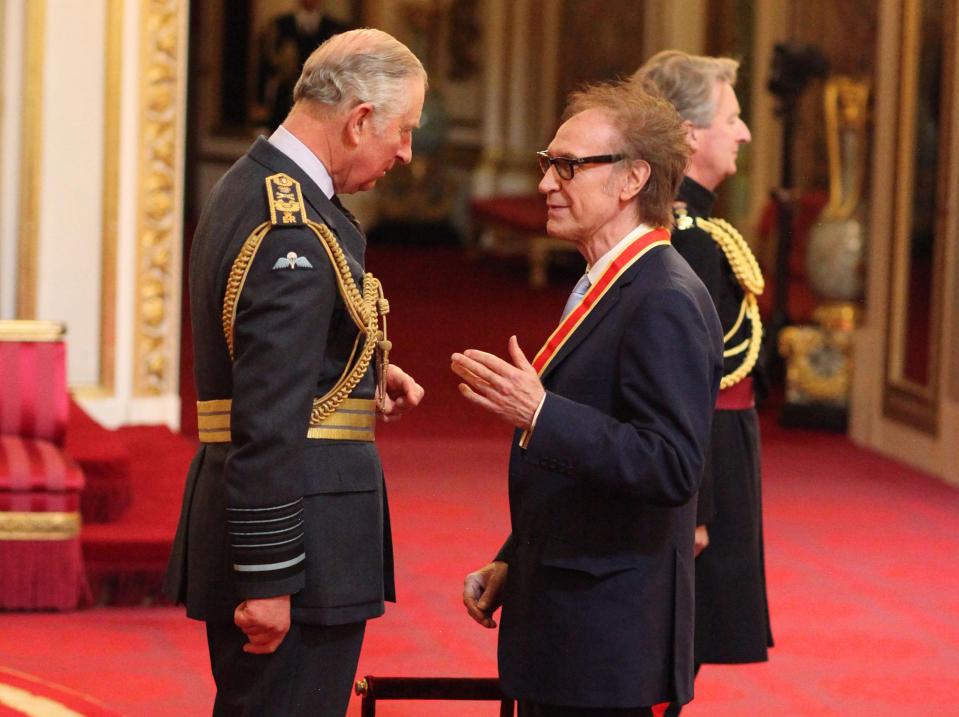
[(591, 321)]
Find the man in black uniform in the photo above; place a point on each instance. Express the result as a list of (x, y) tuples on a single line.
[(283, 546), (732, 615)]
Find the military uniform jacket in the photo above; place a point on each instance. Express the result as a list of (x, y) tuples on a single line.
[(732, 614), (273, 512), (598, 604)]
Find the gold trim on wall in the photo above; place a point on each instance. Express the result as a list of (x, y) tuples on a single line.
[(156, 223), (111, 190), (906, 400), (31, 130)]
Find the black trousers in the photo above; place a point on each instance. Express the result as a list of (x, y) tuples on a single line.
[(536, 709), (311, 673)]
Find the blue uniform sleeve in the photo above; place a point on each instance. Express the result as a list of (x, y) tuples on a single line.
[(283, 319)]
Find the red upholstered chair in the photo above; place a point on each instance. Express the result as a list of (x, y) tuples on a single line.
[(40, 561)]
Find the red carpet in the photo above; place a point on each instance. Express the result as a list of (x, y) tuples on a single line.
[(864, 594), (863, 582)]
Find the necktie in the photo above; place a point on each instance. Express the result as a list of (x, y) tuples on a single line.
[(579, 291), (346, 212)]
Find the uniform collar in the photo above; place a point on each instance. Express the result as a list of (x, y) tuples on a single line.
[(288, 144), (699, 199)]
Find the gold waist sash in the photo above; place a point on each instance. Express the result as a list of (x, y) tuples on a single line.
[(353, 420)]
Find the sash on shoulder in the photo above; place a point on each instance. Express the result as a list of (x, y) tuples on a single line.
[(625, 259)]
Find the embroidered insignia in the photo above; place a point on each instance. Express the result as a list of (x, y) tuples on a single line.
[(286, 201), (683, 220), (291, 261)]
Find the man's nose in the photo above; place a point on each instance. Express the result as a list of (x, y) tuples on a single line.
[(548, 183), (405, 152), (745, 136)]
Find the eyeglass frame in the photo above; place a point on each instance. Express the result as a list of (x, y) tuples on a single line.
[(573, 162)]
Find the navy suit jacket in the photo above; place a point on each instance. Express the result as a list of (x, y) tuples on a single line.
[(293, 336), (598, 604)]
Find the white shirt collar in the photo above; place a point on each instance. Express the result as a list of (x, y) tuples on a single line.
[(288, 144), (596, 270)]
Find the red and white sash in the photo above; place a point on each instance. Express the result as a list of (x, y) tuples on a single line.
[(633, 252)]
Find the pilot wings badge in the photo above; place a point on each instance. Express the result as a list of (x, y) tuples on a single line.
[(291, 261)]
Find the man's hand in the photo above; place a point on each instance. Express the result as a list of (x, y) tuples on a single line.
[(265, 621), (402, 394), (701, 541), (511, 391), (482, 592)]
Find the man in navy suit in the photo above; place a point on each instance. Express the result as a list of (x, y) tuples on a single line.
[(283, 546), (613, 418)]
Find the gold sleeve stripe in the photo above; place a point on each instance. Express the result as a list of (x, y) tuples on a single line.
[(353, 419)]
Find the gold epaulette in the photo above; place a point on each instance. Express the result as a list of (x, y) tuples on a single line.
[(367, 308), (750, 278), (286, 201)]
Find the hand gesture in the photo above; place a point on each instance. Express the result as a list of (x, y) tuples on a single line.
[(511, 391)]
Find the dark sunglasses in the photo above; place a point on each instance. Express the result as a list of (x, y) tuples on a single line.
[(566, 165)]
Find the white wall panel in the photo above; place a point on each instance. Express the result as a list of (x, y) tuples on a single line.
[(11, 75), (69, 254)]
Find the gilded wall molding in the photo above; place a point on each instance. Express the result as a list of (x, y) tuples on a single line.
[(157, 223), (31, 141), (111, 189)]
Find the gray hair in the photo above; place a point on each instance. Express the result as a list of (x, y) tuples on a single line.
[(357, 66), (687, 81)]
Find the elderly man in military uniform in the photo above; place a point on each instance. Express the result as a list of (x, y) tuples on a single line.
[(283, 546), (732, 614)]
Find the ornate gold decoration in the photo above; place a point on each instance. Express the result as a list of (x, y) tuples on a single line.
[(39, 526), (366, 309), (845, 105), (31, 144), (286, 200), (818, 364), (158, 226), (840, 316)]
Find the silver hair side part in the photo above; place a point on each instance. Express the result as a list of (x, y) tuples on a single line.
[(365, 65), (687, 81)]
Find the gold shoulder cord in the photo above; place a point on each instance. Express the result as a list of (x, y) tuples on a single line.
[(365, 308), (748, 274)]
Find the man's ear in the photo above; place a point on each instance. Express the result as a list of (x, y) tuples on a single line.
[(636, 177), (692, 134), (358, 121)]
